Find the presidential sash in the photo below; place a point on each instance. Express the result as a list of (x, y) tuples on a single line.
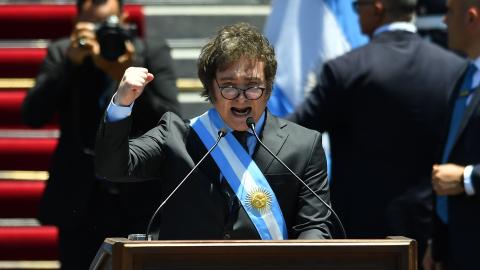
[(243, 176)]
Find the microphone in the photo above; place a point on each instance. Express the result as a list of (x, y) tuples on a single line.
[(251, 124), (221, 133)]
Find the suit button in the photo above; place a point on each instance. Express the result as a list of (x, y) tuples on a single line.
[(226, 236)]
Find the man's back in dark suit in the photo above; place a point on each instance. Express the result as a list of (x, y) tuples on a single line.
[(383, 106)]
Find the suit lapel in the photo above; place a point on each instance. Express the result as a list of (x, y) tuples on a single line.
[(197, 150), (468, 112), (273, 137)]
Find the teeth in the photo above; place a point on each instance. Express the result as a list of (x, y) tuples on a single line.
[(242, 112)]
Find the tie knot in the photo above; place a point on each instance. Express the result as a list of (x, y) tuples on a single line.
[(468, 86), (472, 67)]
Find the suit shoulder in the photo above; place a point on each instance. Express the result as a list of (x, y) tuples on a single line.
[(171, 119), (294, 129), (410, 49), (355, 60), (441, 52)]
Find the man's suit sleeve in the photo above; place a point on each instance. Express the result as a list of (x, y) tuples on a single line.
[(119, 159), (318, 109), (313, 217), (51, 87)]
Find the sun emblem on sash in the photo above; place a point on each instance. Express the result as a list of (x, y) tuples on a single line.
[(259, 199)]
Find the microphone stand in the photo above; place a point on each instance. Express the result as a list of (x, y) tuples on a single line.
[(251, 124), (221, 133)]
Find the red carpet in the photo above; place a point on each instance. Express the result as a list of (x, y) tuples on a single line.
[(29, 243), (49, 21), (30, 154), (20, 199)]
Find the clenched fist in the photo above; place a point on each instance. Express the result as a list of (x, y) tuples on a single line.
[(447, 179), (132, 84)]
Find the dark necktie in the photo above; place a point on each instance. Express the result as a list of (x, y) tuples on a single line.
[(241, 137)]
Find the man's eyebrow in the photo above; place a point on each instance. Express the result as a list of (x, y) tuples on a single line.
[(229, 77)]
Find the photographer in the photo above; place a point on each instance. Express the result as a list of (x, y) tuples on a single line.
[(75, 83)]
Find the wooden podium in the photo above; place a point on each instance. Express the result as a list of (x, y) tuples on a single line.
[(391, 253)]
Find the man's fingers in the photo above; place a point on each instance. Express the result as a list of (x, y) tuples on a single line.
[(150, 77), (85, 25), (137, 78), (129, 48), (132, 84)]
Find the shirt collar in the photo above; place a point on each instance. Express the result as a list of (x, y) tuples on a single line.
[(259, 125), (396, 26), (476, 62), (251, 140), (476, 76)]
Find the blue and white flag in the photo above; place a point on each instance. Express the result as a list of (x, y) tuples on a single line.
[(305, 34)]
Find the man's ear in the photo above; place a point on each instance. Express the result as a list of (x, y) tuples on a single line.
[(379, 7), (473, 15)]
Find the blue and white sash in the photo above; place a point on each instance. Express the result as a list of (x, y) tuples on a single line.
[(244, 177)]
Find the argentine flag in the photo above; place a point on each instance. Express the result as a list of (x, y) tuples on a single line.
[(305, 34)]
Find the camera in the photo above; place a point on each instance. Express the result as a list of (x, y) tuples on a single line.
[(111, 36)]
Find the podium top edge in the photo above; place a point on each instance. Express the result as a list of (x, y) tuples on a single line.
[(332, 242)]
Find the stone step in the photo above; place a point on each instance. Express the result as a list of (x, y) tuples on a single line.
[(175, 22)]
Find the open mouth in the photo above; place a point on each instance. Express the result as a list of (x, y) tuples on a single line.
[(241, 112)]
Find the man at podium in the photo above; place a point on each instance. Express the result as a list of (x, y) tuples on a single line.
[(239, 190)]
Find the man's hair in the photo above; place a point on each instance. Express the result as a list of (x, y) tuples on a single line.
[(232, 43), (400, 8), (80, 3)]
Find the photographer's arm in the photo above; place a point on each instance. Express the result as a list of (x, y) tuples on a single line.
[(162, 93), (55, 79)]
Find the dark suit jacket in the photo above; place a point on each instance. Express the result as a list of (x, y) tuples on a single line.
[(384, 106), (457, 243), (77, 96), (199, 209)]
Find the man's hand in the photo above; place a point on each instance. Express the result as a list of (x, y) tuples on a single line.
[(83, 42), (447, 179), (131, 87), (115, 69)]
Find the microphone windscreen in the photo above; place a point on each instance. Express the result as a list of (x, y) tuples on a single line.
[(222, 132), (250, 122)]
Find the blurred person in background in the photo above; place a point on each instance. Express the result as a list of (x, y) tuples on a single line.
[(384, 106), (456, 180), (75, 84)]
